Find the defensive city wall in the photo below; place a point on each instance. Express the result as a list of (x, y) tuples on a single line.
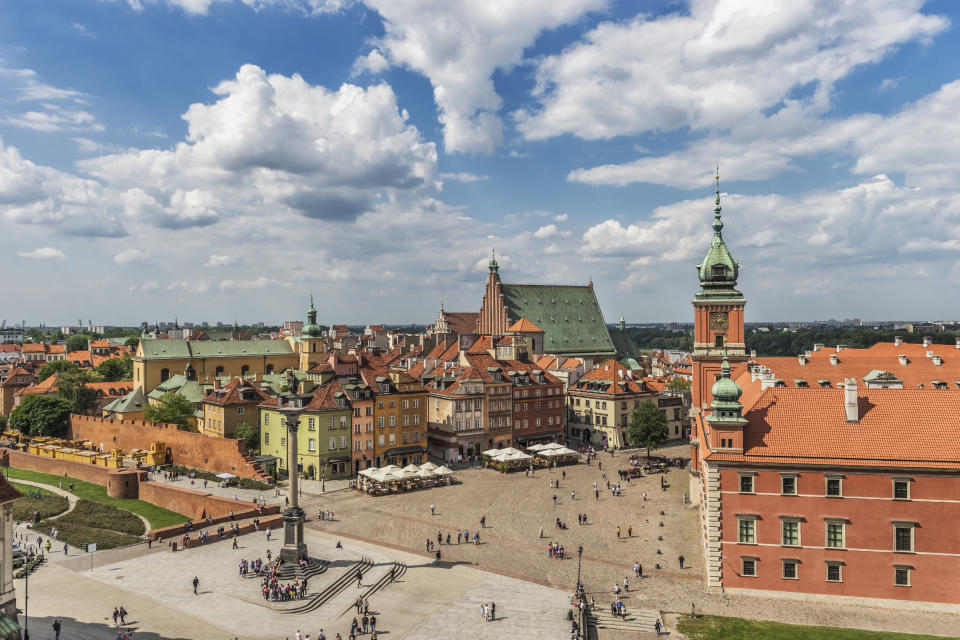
[(185, 448), (133, 483)]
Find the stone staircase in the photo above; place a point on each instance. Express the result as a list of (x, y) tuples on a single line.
[(258, 473), (636, 621)]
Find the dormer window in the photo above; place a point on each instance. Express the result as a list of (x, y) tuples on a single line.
[(719, 271)]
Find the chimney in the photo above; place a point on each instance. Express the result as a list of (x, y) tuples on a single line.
[(929, 354), (833, 359), (898, 340), (927, 341), (850, 404), (753, 354), (802, 360), (841, 347), (903, 359), (817, 346), (807, 353), (936, 361), (216, 383), (958, 343)]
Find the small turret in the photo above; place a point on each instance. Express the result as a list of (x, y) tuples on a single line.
[(726, 407), (494, 267), (311, 329)]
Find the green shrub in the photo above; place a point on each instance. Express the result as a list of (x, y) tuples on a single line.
[(104, 516), (79, 535), (49, 504)]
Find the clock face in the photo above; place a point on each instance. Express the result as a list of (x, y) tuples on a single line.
[(718, 320)]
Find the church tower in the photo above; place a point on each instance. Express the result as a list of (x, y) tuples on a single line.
[(718, 333), (311, 340), (493, 313)]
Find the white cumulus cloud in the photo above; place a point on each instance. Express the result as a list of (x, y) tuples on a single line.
[(132, 256), (43, 253)]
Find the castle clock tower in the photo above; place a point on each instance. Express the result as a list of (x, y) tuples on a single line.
[(718, 315)]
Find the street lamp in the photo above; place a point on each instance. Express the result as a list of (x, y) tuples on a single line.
[(579, 558)]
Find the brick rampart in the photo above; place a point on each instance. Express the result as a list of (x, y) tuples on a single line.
[(274, 522), (269, 518), (185, 448), (193, 503), (58, 467)]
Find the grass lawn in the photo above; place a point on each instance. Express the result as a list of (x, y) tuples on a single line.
[(49, 504), (157, 516), (719, 628)]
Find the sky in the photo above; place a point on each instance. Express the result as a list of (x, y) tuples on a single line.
[(221, 159)]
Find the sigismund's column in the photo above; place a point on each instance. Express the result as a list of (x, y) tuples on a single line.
[(294, 547)]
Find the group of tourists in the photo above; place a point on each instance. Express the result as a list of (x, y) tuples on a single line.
[(324, 515), (274, 591), (462, 537), (555, 550)]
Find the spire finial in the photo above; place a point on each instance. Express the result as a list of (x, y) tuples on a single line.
[(717, 222), (493, 260)]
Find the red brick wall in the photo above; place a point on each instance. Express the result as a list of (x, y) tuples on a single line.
[(191, 502), (78, 470), (186, 448), (275, 523), (870, 510)]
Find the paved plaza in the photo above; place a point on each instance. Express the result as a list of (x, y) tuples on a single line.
[(510, 566)]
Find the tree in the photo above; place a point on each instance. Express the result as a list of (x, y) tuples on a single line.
[(41, 416), (249, 435), (132, 341), (57, 366), (678, 384), (115, 369), (77, 342), (648, 426), (172, 409), (3, 422), (72, 386)]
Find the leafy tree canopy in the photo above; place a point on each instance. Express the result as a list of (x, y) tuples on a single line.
[(115, 369), (648, 426), (41, 416), (132, 341), (249, 435), (77, 342), (56, 366), (678, 384), (172, 409), (71, 386)]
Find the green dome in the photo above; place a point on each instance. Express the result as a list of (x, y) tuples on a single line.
[(311, 329), (718, 270), (725, 389)]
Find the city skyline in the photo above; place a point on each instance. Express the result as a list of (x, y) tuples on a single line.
[(198, 157)]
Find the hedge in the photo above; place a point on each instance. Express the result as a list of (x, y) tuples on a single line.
[(49, 504), (105, 516), (79, 535)]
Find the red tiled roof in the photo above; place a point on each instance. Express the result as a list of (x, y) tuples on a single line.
[(897, 427), (524, 326), (462, 322), (481, 346), (100, 344), (10, 348), (613, 372), (232, 393), (34, 348), (58, 348), (918, 370), (7, 490)]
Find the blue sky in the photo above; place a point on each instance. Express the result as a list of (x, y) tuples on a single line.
[(219, 158)]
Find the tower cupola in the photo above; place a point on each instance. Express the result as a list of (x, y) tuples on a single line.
[(719, 270), (726, 407), (311, 329)]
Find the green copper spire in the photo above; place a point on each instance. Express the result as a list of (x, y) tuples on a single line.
[(311, 329), (726, 393), (718, 271), (493, 261)]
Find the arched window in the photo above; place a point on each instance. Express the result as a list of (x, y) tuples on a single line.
[(164, 375), (269, 368), (244, 370), (218, 372)]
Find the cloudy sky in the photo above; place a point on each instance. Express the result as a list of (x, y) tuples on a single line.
[(214, 159)]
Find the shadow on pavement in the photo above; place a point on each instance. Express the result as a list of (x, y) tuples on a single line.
[(42, 627)]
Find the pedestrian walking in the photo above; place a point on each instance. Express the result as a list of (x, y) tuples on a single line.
[(438, 558), (196, 585), (433, 508), (56, 629), (116, 614), (573, 495), (618, 533), (458, 537), (626, 583), (630, 531), (554, 499), (596, 493), (483, 611), (680, 560), (483, 522), (123, 615), (636, 569), (493, 610), (639, 570)]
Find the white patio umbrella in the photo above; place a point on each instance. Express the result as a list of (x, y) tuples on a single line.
[(411, 468), (553, 445), (429, 466), (536, 447), (492, 452), (225, 475), (425, 473), (442, 471)]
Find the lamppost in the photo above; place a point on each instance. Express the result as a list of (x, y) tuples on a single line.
[(294, 547), (579, 558)]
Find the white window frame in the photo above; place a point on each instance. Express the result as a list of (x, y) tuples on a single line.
[(912, 526), (839, 566), (311, 444), (789, 476), (785, 520), (827, 523), (753, 481), (893, 488), (897, 568), (741, 520), (783, 568), (826, 485)]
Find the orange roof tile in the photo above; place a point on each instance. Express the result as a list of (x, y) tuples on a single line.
[(524, 326), (897, 428)]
